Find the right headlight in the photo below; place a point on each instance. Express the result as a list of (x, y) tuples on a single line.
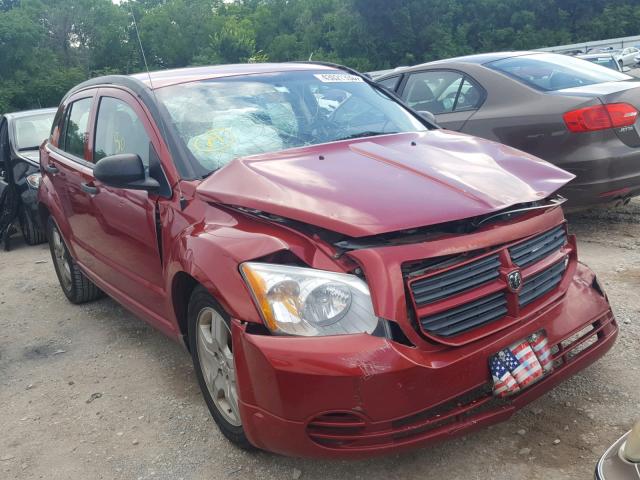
[(310, 302)]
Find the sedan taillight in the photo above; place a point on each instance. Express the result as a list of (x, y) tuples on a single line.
[(601, 117)]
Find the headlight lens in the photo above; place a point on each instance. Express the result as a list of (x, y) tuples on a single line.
[(34, 180), (309, 302)]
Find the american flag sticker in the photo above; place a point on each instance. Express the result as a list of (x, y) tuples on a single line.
[(518, 370), (540, 346), (520, 365), (503, 382), (524, 353)]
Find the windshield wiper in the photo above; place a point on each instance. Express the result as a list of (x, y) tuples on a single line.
[(363, 134)]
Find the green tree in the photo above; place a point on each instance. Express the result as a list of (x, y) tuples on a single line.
[(47, 46)]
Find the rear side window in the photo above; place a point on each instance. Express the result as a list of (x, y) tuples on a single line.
[(390, 83), (56, 121), (76, 128), (119, 130), (548, 71), (441, 91)]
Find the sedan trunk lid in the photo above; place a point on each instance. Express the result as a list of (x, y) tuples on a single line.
[(613, 92)]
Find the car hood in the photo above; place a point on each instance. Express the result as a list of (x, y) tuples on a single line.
[(386, 183)]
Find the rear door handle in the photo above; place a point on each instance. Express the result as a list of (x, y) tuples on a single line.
[(90, 189), (52, 169)]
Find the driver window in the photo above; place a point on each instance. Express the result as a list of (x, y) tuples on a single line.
[(119, 130), (434, 91)]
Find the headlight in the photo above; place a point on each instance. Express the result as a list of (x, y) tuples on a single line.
[(309, 302), (34, 180)]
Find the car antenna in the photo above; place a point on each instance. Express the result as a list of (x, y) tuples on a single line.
[(183, 201)]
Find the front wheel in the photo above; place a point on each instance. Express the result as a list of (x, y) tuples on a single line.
[(212, 353)]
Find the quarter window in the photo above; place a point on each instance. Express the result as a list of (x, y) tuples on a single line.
[(390, 83), (76, 128), (119, 130), (469, 97)]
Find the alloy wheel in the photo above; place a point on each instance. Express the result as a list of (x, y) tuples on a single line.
[(61, 259), (216, 362)]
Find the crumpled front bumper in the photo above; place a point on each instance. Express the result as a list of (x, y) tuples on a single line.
[(359, 395)]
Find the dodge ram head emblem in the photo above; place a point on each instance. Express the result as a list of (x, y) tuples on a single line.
[(514, 280)]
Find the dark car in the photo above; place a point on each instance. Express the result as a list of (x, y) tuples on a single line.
[(348, 278), (21, 134), (605, 60), (577, 115)]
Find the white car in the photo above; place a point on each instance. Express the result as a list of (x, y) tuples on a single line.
[(626, 57)]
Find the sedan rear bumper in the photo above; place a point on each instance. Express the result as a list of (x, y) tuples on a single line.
[(602, 191), (360, 395), (606, 171)]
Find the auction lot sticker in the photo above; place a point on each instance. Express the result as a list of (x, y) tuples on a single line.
[(338, 78)]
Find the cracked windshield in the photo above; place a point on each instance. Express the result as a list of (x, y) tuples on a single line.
[(224, 119)]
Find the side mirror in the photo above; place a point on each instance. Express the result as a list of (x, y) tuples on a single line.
[(124, 171), (429, 117)]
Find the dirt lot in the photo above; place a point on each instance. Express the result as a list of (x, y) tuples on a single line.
[(92, 392)]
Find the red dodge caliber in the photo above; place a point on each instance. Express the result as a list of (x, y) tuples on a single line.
[(349, 278)]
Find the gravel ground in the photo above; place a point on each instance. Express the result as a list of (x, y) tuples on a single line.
[(92, 392)]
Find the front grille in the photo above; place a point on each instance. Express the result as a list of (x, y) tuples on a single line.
[(537, 248), (480, 286), (468, 316), (457, 280), (545, 281)]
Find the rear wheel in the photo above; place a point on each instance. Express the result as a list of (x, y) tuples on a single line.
[(8, 212), (31, 232), (621, 63), (75, 285), (212, 352)]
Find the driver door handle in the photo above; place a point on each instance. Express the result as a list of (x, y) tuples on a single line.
[(52, 169), (88, 188)]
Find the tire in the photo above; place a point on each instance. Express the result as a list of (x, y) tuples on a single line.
[(31, 232), (621, 63), (75, 285), (213, 359), (8, 213)]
